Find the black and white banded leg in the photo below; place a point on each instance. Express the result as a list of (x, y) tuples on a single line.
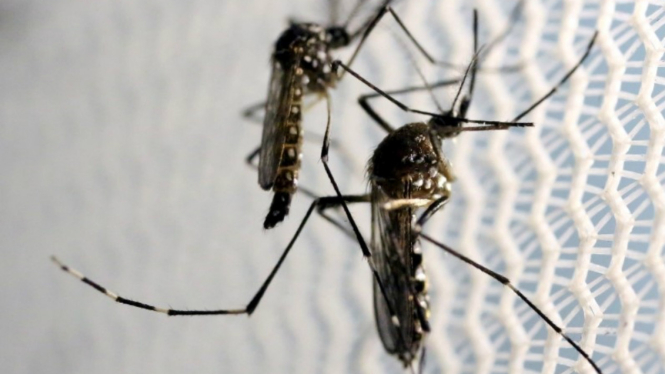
[(320, 204), (121, 300)]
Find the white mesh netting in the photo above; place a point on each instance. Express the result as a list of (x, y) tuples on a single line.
[(570, 209), (122, 151)]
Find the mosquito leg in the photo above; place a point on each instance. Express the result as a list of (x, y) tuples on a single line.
[(335, 203), (249, 309), (359, 238), (430, 211), (421, 362), (363, 100), (415, 42), (386, 8), (314, 137), (317, 138), (368, 27), (493, 125), (250, 112), (435, 207), (515, 14), (341, 199), (326, 137), (464, 106), (337, 64), (332, 202), (326, 143), (356, 231), (352, 14), (250, 159), (506, 282), (562, 81), (497, 124), (252, 156), (138, 304)]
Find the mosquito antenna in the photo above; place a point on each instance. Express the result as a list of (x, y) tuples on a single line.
[(474, 69), (466, 73), (506, 282)]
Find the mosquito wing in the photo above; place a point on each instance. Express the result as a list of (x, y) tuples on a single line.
[(281, 92), (392, 244)]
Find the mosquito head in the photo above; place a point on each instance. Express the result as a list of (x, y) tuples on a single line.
[(445, 126), (338, 37)]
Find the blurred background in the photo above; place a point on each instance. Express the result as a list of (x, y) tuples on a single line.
[(122, 151)]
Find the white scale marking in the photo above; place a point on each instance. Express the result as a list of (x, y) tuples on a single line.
[(75, 273), (111, 294), (420, 274)]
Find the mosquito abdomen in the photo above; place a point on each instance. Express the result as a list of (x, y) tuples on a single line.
[(286, 184), (286, 181), (279, 209)]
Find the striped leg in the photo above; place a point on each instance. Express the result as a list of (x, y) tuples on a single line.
[(119, 299), (319, 204)]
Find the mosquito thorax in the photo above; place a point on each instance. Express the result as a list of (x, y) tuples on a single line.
[(308, 45), (408, 155)]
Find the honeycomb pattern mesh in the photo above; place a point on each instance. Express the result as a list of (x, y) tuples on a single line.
[(122, 145), (570, 210)]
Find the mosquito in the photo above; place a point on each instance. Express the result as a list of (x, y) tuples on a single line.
[(301, 65), (409, 173)]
